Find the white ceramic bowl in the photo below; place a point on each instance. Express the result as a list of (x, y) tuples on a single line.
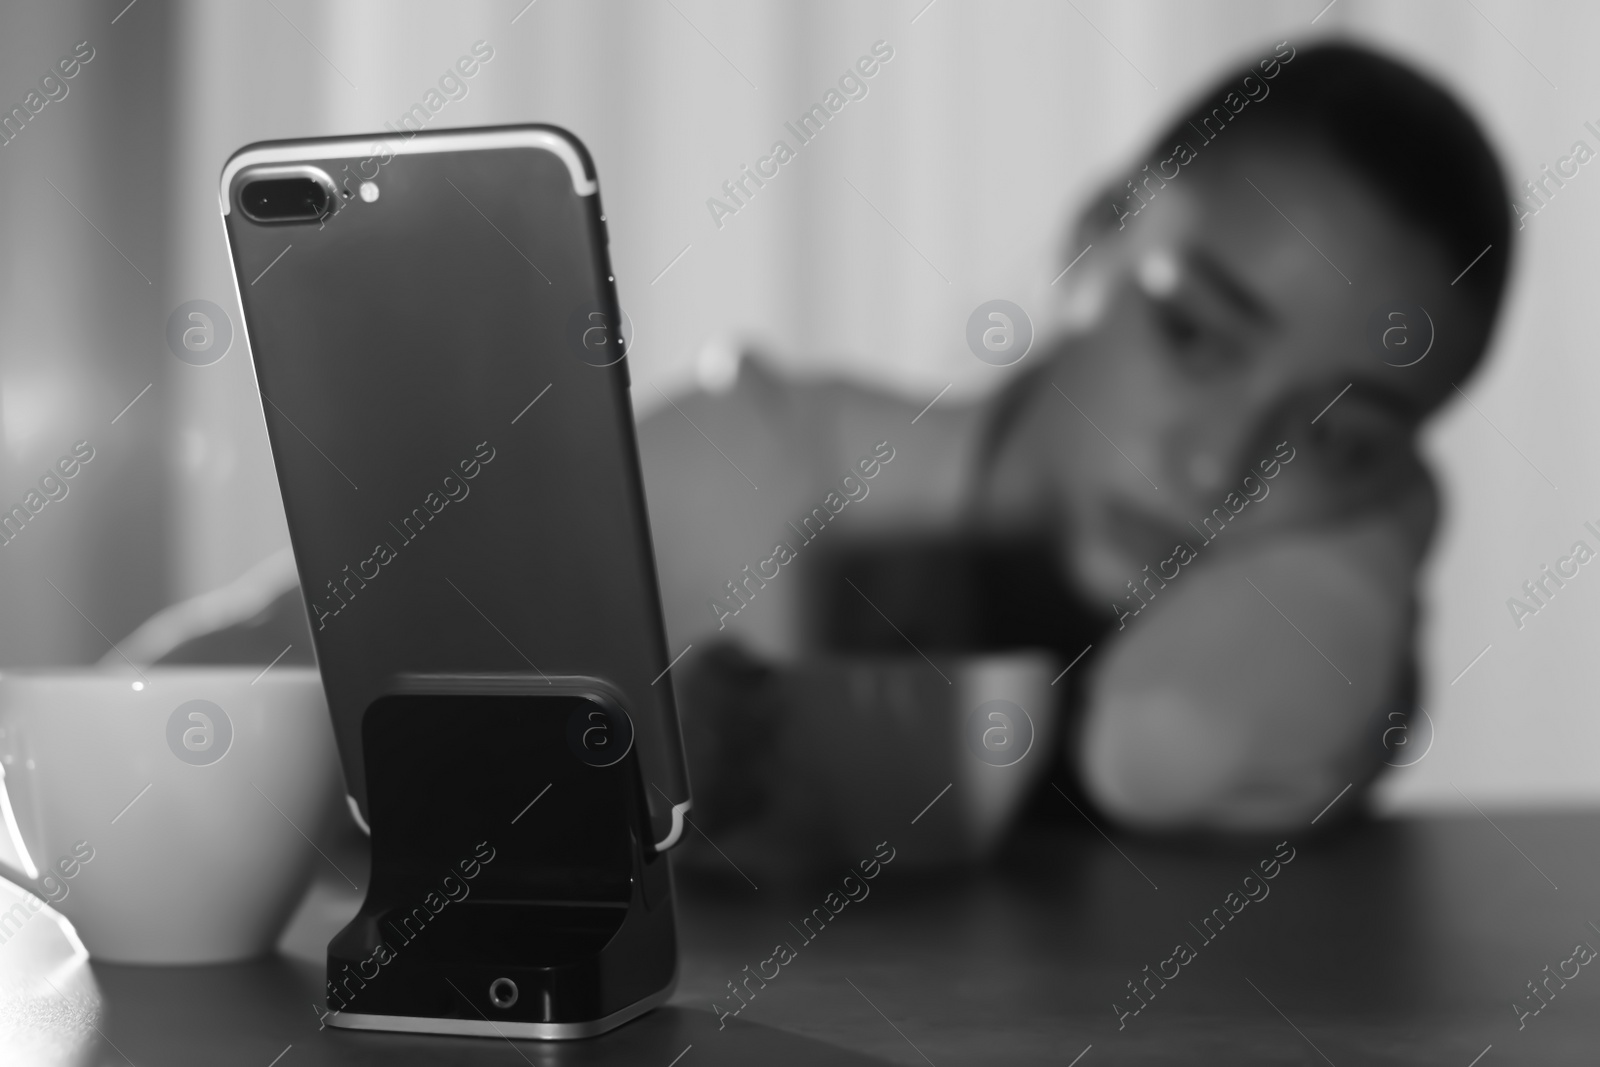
[(195, 797)]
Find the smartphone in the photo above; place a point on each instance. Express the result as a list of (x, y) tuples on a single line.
[(436, 337)]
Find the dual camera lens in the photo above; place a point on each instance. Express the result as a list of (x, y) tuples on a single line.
[(288, 194), (284, 200)]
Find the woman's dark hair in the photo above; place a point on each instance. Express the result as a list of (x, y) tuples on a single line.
[(1401, 133)]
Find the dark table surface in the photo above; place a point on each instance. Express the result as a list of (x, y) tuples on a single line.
[(1384, 942)]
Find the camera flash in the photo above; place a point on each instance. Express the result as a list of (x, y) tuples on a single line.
[(369, 191)]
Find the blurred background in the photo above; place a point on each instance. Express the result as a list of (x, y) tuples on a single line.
[(949, 184)]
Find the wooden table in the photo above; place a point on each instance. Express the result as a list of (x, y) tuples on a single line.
[(1384, 943)]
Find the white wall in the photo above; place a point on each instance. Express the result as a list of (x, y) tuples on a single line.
[(976, 142)]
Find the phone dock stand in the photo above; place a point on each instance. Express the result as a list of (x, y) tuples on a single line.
[(515, 890)]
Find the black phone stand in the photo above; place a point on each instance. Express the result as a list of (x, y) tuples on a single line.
[(515, 889)]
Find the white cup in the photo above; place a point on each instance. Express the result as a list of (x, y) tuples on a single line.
[(169, 818)]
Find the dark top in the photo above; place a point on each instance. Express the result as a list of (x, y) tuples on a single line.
[(947, 594), (967, 595)]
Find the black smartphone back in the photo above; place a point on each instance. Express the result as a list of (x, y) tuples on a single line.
[(433, 322)]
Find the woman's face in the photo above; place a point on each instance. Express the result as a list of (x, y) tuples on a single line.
[(1216, 325)]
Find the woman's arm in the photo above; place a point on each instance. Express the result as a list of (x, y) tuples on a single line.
[(1255, 689), (730, 474)]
